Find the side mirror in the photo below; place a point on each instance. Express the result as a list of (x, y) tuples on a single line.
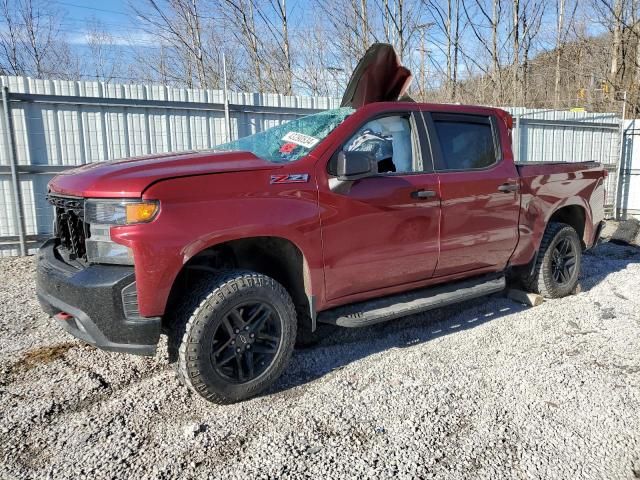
[(356, 165)]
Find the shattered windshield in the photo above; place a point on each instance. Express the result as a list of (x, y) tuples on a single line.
[(292, 140)]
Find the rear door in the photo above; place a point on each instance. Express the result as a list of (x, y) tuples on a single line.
[(479, 192)]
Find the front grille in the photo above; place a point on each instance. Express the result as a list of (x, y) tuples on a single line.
[(70, 226)]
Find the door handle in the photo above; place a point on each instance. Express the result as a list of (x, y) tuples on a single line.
[(508, 187), (423, 194)]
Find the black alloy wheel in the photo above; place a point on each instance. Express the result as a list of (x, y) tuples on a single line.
[(557, 264), (563, 261), (246, 342), (234, 335)]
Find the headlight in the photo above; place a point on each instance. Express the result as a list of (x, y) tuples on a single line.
[(119, 212), (101, 215), (101, 249)]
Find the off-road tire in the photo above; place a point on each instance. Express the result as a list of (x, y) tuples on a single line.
[(542, 280), (199, 315)]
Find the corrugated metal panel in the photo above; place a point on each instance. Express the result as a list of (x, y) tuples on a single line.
[(68, 134), (572, 143), (598, 140)]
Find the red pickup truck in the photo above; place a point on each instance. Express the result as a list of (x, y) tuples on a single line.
[(349, 217)]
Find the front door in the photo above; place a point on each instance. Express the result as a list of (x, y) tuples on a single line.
[(479, 192), (381, 231)]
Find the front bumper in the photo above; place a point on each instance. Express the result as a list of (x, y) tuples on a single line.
[(93, 298)]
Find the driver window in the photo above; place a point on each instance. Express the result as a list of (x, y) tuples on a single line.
[(390, 140)]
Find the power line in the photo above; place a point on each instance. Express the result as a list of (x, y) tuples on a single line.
[(67, 4)]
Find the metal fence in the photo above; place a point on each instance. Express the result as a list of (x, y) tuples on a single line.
[(564, 136), (629, 190), (53, 125)]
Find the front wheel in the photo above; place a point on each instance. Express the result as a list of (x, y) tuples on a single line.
[(238, 338), (558, 263)]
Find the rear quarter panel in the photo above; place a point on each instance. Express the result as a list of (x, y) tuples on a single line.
[(545, 188)]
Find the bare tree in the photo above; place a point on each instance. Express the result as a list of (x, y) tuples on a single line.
[(179, 24), (10, 41), (103, 60), (499, 52), (617, 40), (317, 72), (481, 17), (32, 43), (636, 29), (276, 30), (560, 37), (531, 19), (239, 16), (446, 16)]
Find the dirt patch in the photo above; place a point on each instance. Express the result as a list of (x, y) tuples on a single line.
[(40, 356)]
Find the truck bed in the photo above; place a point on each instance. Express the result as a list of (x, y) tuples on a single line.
[(545, 187)]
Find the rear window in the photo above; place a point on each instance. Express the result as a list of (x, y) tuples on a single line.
[(466, 144)]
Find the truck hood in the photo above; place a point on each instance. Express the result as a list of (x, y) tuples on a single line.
[(130, 177), (378, 77)]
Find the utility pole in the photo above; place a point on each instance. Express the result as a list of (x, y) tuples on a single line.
[(227, 116), (616, 205), (334, 72), (559, 44)]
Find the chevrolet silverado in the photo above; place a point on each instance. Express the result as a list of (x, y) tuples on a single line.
[(349, 217)]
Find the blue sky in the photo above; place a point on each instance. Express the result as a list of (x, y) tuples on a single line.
[(117, 18), (114, 15)]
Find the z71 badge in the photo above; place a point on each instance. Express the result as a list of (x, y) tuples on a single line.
[(290, 178)]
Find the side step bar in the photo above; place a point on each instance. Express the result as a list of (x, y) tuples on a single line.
[(395, 306)]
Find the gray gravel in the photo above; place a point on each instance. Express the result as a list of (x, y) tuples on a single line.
[(486, 389)]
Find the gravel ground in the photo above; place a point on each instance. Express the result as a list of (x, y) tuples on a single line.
[(488, 388)]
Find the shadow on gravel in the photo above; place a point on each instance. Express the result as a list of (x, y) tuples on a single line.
[(608, 257), (344, 346)]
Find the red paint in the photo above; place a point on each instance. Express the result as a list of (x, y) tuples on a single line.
[(371, 240), (479, 223), (129, 177), (377, 236)]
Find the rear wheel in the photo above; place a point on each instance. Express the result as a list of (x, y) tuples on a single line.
[(238, 337), (558, 263)]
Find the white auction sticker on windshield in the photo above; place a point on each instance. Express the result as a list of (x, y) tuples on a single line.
[(306, 141)]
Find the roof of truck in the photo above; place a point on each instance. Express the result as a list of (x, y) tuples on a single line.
[(438, 107)]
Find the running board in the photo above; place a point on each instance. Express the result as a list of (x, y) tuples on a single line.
[(395, 306)]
